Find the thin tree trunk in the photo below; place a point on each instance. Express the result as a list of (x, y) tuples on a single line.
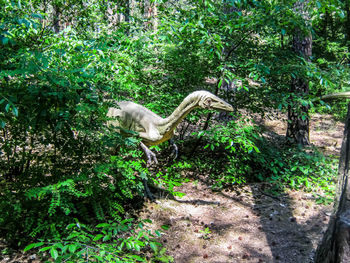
[(325, 25), (155, 16), (56, 18), (127, 11), (150, 15), (298, 114)]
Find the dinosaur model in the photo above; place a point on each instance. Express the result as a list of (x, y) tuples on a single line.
[(345, 94), (154, 129)]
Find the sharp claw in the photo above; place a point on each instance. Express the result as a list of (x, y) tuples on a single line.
[(151, 157), (155, 158)]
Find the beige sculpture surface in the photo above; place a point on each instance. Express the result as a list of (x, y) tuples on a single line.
[(154, 129), (345, 94)]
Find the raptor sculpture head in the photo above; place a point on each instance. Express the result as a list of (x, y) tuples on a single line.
[(208, 100)]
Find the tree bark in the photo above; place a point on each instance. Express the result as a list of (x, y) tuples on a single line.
[(298, 114), (335, 245), (56, 18), (347, 22), (150, 15)]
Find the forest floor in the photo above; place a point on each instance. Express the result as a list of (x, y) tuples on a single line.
[(245, 223)]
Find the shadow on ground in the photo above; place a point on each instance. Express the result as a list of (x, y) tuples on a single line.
[(242, 224), (246, 224)]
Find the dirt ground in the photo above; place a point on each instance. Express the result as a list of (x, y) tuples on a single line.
[(245, 224)]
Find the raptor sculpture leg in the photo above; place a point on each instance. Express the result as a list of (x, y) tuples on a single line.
[(151, 157), (175, 148), (148, 193)]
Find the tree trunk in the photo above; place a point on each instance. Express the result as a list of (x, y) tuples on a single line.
[(150, 15), (298, 114), (56, 18), (347, 22), (335, 246), (325, 25)]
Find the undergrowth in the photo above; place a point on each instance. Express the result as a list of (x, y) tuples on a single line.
[(125, 241), (238, 153)]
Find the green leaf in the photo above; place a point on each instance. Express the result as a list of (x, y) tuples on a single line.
[(4, 40), (37, 16), (137, 247), (15, 111), (106, 238), (44, 249), (54, 253), (220, 83), (154, 246), (30, 246), (98, 237), (72, 248), (165, 227), (102, 225)]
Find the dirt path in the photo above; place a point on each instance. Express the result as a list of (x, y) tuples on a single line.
[(246, 224)]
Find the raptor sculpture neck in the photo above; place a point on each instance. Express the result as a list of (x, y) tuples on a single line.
[(172, 121)]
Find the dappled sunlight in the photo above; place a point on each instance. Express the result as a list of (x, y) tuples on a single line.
[(242, 224)]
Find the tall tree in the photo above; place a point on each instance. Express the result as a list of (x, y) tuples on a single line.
[(298, 116), (56, 17)]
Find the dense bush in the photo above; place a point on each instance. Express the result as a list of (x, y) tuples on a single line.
[(243, 155), (56, 161)]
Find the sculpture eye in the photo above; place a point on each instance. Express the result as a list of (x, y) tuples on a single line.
[(209, 101)]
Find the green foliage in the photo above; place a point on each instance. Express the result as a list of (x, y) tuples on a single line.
[(172, 176), (205, 233), (123, 241), (232, 146), (242, 156), (55, 156), (297, 168), (59, 161)]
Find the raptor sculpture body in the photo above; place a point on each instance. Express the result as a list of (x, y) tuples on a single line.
[(154, 129)]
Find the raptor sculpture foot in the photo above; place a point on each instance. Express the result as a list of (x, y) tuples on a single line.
[(151, 157), (148, 193), (175, 149)]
